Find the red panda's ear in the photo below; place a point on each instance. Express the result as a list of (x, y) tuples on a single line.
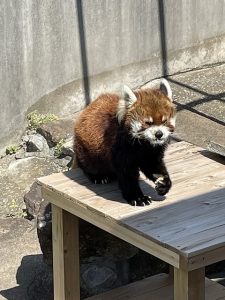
[(128, 96), (166, 89), (125, 102)]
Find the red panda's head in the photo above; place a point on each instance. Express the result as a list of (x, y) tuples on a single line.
[(148, 114)]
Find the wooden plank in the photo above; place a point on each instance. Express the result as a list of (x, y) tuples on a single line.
[(158, 287), (188, 226), (142, 290), (189, 285), (58, 253), (71, 256), (204, 259), (111, 226)]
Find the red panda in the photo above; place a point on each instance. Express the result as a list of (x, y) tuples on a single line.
[(117, 136)]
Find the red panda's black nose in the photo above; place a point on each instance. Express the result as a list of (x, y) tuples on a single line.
[(158, 134)]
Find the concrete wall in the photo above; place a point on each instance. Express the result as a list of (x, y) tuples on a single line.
[(48, 46)]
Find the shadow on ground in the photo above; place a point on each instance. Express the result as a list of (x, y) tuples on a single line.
[(33, 279)]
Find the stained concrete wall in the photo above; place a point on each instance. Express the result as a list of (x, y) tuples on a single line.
[(48, 47)]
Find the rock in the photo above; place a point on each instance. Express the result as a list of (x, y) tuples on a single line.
[(33, 200), (16, 177), (37, 154), (56, 131), (99, 275), (40, 209), (36, 142), (65, 161), (67, 148), (41, 287), (20, 153)]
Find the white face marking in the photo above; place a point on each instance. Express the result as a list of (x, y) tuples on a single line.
[(149, 119), (149, 134), (135, 128), (173, 121), (163, 118)]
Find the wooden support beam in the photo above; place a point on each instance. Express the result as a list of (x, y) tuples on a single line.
[(58, 253), (71, 256), (171, 271), (66, 273), (189, 285)]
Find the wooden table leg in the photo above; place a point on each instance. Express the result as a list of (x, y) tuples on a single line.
[(189, 285), (171, 271), (66, 269)]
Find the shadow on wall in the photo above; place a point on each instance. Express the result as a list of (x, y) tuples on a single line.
[(162, 34), (83, 50), (34, 281)]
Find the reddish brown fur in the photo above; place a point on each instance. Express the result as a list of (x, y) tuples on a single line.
[(95, 132)]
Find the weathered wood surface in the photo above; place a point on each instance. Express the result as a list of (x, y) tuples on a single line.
[(159, 287), (190, 222)]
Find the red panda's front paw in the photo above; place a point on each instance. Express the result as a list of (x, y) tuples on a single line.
[(142, 201), (163, 185)]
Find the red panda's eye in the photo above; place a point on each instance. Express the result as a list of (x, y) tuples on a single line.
[(164, 122), (149, 123)]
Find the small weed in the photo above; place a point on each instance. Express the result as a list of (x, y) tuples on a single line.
[(59, 147), (15, 211), (35, 119), (13, 205), (11, 149)]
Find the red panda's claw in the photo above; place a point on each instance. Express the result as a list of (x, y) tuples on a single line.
[(142, 201), (147, 200)]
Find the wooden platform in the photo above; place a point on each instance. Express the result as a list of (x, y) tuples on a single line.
[(186, 230), (159, 287)]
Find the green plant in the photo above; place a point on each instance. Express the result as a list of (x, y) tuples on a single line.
[(11, 149), (59, 147), (13, 205), (15, 211), (35, 119)]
